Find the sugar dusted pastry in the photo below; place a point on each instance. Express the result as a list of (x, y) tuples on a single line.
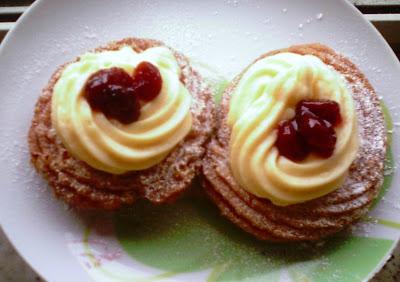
[(300, 146), (128, 120)]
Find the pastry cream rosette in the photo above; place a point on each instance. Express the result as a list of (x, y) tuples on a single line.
[(106, 144), (266, 94)]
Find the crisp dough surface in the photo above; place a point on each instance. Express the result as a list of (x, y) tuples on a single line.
[(84, 187), (320, 217)]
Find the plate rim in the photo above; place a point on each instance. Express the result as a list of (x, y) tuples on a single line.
[(37, 5)]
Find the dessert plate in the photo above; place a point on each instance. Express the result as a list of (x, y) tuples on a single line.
[(187, 241)]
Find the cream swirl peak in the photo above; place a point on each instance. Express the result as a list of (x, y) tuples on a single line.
[(266, 94), (107, 144)]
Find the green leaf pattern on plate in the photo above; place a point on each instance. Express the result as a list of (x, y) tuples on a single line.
[(190, 236)]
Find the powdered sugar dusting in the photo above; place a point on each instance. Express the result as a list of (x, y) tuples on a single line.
[(336, 209), (319, 16)]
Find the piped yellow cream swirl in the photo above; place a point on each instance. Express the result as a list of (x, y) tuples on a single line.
[(107, 144), (266, 94)]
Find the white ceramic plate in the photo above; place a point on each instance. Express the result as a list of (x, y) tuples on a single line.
[(187, 241)]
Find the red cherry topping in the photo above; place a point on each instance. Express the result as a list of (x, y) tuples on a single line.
[(310, 131), (290, 143), (325, 109), (318, 133), (116, 94), (111, 92), (147, 80)]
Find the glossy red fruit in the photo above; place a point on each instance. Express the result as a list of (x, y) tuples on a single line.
[(111, 91), (324, 109), (289, 142), (318, 133), (147, 81)]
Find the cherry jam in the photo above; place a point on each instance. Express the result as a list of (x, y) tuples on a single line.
[(290, 143), (147, 80), (117, 94), (310, 131), (325, 109), (318, 133), (111, 92)]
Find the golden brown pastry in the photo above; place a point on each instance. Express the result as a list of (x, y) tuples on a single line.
[(110, 157), (312, 193)]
